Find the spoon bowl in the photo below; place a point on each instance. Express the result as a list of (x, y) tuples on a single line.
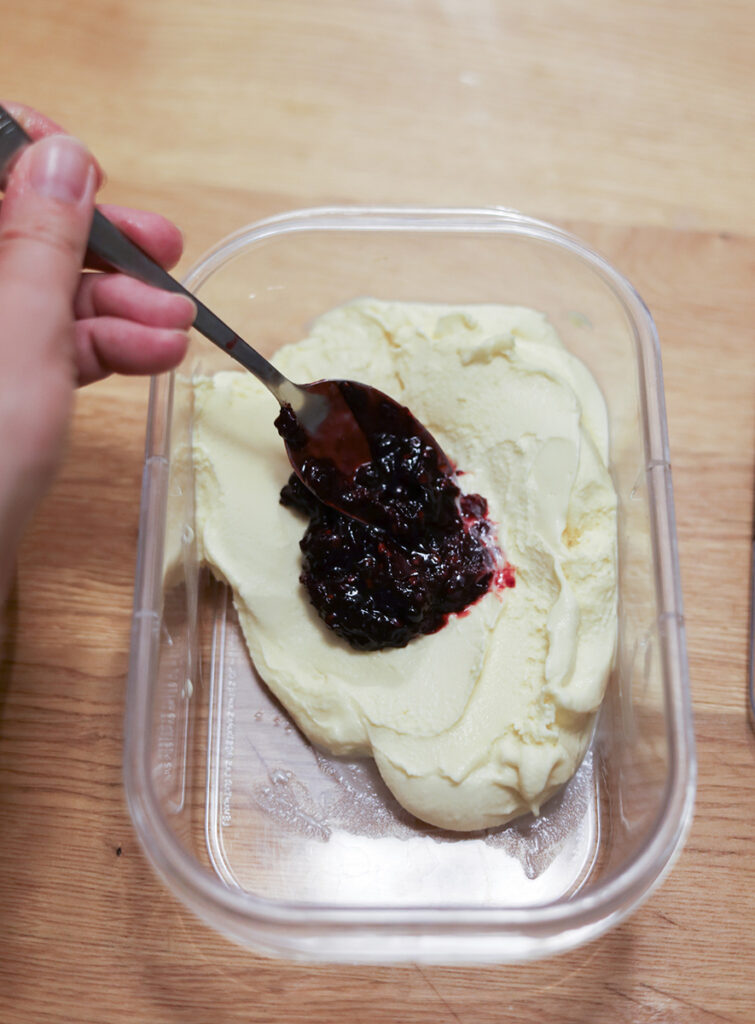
[(347, 457)]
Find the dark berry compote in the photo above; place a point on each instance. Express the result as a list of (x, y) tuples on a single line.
[(425, 551)]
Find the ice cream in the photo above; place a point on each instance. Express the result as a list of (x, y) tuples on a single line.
[(486, 718)]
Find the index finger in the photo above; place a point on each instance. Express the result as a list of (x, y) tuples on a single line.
[(38, 126), (153, 233), (33, 123)]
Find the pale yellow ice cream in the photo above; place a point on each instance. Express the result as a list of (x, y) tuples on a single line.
[(484, 719)]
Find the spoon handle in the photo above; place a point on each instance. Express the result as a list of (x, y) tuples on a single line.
[(113, 247), (119, 252)]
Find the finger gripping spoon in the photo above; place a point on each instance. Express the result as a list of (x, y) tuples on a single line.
[(327, 426)]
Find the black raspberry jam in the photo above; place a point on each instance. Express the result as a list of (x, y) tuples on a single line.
[(432, 555)]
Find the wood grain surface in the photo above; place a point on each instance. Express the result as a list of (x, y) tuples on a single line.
[(631, 123)]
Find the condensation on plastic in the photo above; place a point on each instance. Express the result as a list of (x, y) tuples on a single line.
[(302, 855)]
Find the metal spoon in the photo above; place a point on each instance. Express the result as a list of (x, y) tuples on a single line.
[(326, 425)]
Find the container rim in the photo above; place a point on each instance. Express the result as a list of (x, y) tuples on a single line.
[(557, 926)]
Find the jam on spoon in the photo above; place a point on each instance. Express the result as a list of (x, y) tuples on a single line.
[(392, 547)]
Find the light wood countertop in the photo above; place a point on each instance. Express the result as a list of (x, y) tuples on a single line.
[(633, 124)]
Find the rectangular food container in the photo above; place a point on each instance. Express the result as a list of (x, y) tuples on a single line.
[(297, 854)]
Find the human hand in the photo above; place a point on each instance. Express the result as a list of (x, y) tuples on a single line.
[(59, 327)]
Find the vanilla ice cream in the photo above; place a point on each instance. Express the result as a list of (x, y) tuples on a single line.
[(486, 718)]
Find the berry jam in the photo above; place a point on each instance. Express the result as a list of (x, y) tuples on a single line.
[(432, 555)]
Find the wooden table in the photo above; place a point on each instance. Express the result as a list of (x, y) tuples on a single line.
[(631, 123)]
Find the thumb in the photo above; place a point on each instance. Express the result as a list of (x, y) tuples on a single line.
[(44, 224)]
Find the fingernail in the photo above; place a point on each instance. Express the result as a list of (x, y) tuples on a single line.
[(190, 313), (60, 168)]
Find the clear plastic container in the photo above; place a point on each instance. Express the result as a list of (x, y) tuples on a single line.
[(302, 855)]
